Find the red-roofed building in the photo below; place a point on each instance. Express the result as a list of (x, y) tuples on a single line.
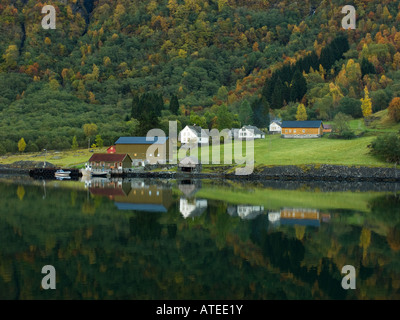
[(111, 149), (110, 161)]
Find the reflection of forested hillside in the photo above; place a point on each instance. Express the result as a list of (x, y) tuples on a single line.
[(102, 253)]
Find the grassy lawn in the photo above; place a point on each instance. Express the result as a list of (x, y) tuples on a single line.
[(68, 158), (273, 150), (277, 151)]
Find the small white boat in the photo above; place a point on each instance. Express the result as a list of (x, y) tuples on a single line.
[(87, 172), (62, 174)]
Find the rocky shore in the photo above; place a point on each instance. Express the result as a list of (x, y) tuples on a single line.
[(321, 173)]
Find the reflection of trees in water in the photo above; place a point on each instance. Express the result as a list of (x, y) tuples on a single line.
[(387, 208), (145, 225), (150, 255)]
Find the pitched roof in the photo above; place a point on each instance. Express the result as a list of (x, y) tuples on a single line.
[(301, 124), (141, 140), (254, 128), (108, 157), (198, 131), (276, 121)]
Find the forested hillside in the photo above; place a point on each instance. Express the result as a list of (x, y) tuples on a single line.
[(224, 63)]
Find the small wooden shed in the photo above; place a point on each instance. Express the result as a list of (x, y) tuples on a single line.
[(190, 165)]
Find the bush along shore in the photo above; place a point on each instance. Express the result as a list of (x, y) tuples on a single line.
[(286, 173)]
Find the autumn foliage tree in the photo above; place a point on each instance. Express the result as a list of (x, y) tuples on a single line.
[(394, 109), (21, 145), (366, 104), (301, 114)]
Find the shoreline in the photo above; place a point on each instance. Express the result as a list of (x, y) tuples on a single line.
[(306, 173)]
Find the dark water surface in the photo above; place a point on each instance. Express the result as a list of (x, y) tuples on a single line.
[(159, 239)]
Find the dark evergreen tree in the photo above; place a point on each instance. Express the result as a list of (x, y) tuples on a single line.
[(327, 58), (174, 105), (298, 86), (260, 109), (149, 108), (277, 97), (367, 67), (135, 106)]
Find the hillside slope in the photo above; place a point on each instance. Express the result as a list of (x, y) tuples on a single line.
[(208, 53)]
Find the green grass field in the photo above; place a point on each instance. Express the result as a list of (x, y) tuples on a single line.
[(68, 158), (271, 151)]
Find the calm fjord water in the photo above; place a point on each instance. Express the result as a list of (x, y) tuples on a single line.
[(155, 239)]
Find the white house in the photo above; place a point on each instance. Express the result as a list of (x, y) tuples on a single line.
[(250, 132), (192, 207), (193, 134), (249, 212), (275, 127)]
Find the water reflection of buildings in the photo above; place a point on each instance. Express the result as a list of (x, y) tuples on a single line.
[(134, 194), (192, 207), (189, 205), (245, 211), (298, 216)]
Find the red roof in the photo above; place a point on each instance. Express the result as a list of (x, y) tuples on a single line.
[(111, 149), (108, 157)]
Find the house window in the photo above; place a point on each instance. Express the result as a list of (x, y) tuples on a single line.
[(294, 131), (120, 164), (290, 130), (286, 130), (304, 131)]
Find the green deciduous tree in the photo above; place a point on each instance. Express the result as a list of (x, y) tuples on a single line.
[(90, 129), (74, 143), (341, 126), (99, 141), (245, 113), (387, 147)]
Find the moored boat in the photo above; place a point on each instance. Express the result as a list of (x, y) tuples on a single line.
[(62, 174)]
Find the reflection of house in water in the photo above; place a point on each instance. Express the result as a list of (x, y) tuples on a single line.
[(245, 211), (192, 207), (111, 189), (298, 216), (136, 195), (189, 187)]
